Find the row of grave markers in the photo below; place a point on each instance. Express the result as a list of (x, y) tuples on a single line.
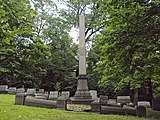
[(52, 95), (102, 106), (55, 94)]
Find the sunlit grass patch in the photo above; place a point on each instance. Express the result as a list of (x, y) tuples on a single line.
[(77, 107)]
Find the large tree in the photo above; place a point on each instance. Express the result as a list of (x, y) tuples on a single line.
[(92, 16), (16, 24), (36, 49), (130, 44), (63, 61)]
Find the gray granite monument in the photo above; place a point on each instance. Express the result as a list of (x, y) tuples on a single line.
[(82, 95)]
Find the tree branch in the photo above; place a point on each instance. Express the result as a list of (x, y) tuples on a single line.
[(94, 31)]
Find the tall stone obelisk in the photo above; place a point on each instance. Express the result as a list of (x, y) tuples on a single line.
[(82, 94)]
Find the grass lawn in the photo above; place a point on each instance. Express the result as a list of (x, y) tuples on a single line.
[(9, 111)]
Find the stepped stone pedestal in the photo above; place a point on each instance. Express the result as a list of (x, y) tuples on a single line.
[(82, 95)]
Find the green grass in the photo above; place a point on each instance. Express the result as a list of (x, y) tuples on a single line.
[(9, 111), (153, 113)]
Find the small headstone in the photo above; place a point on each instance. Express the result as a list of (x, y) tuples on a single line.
[(3, 88), (93, 94), (112, 101), (130, 104), (46, 92), (128, 107), (103, 100), (12, 90), (95, 106), (123, 99), (39, 94), (144, 103), (61, 103), (53, 95), (65, 94), (20, 98), (31, 92), (141, 111), (40, 91), (20, 90), (40, 97)]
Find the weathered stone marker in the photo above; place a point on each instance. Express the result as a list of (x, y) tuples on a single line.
[(95, 106), (20, 90), (61, 103), (82, 94), (103, 100), (20, 98), (3, 89), (93, 94), (53, 95), (141, 111), (123, 99), (31, 92), (12, 90), (65, 94), (144, 103)]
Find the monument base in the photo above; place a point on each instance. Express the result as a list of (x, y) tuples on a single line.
[(82, 101), (82, 95)]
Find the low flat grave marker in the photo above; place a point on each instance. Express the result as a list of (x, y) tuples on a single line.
[(65, 94), (123, 99), (144, 103), (20, 90), (53, 95), (3, 88), (12, 90), (31, 92)]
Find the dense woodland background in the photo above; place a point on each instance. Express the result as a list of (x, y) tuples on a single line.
[(123, 37)]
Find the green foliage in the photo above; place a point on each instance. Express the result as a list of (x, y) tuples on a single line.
[(63, 52), (35, 47), (16, 23), (16, 19), (57, 86), (89, 7), (128, 44), (93, 76)]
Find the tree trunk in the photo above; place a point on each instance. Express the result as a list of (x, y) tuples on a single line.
[(135, 101), (150, 92)]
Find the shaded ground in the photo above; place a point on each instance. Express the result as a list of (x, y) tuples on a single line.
[(153, 113)]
